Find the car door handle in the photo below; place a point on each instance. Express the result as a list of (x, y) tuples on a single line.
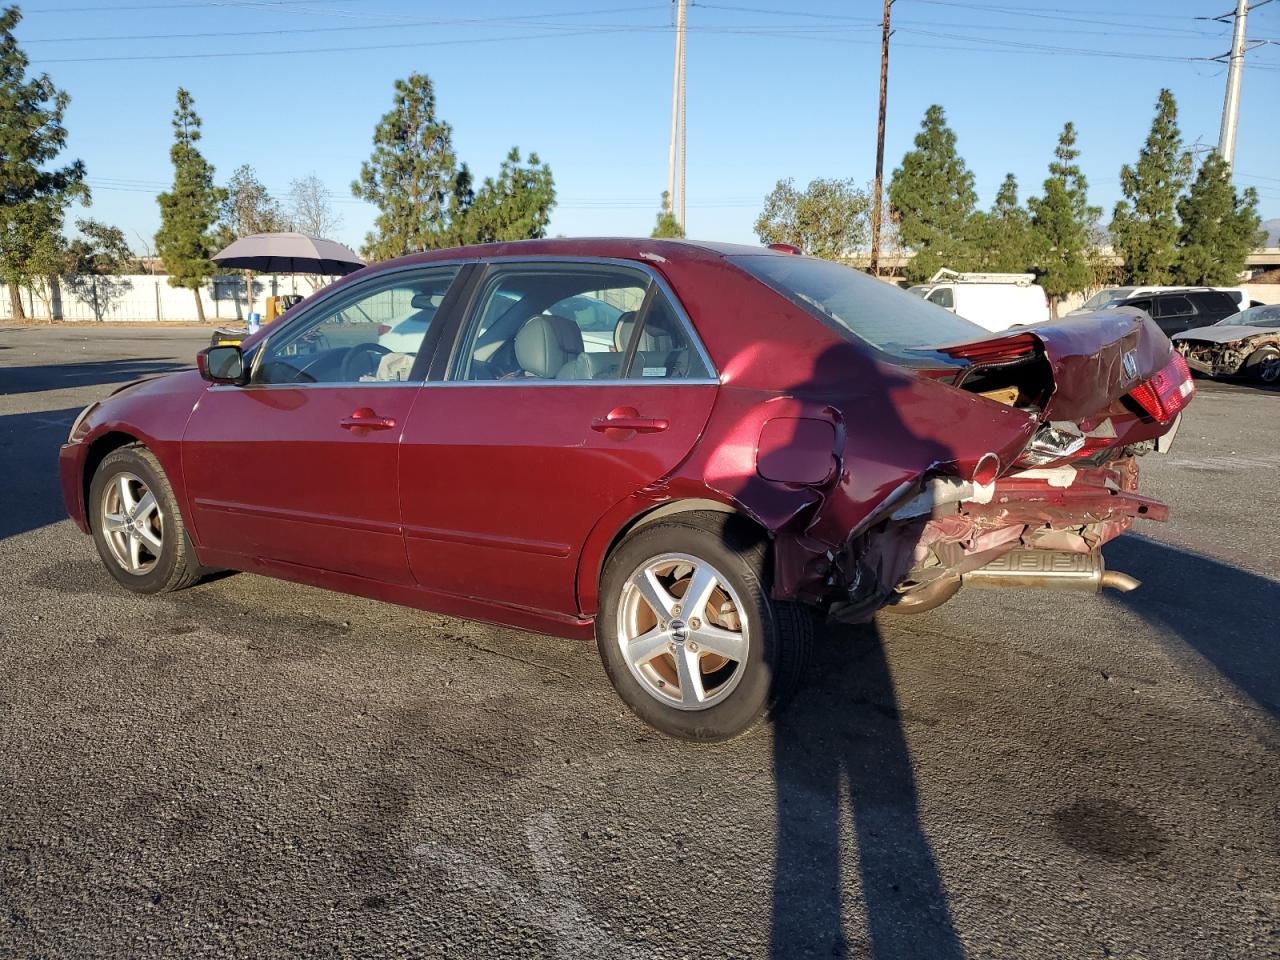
[(366, 419), (628, 418)]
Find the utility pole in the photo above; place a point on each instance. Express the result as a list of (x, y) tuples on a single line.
[(1235, 74), (876, 203), (675, 155)]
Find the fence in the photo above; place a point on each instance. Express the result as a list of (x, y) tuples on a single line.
[(146, 298)]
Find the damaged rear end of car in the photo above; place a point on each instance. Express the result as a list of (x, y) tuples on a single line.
[(1098, 392), (993, 461)]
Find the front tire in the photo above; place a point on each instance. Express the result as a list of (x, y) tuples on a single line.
[(688, 633), (137, 526), (1263, 365)]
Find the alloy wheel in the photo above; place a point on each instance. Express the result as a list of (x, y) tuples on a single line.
[(682, 631), (132, 523)]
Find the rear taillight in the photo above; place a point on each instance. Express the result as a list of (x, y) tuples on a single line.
[(384, 329), (1167, 392), (1019, 346)]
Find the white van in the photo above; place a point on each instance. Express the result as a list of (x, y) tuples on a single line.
[(996, 301)]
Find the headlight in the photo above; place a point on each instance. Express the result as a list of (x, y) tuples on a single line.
[(81, 426)]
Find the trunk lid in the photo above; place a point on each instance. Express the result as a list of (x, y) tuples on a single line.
[(1074, 368)]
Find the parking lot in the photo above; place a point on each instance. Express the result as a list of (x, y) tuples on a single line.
[(254, 768)]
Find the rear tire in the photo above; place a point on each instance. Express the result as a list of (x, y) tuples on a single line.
[(137, 526), (714, 671)]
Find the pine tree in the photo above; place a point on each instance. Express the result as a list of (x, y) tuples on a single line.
[(515, 206), (33, 196), (667, 227), (1062, 222), (933, 200), (190, 208), (1002, 236), (1219, 228), (1144, 227), (827, 219), (412, 176)]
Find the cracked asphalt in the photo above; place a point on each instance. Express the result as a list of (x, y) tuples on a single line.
[(255, 768)]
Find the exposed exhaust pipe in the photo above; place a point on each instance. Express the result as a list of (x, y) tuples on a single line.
[(1051, 570)]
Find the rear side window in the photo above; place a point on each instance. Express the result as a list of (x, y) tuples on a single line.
[(1174, 307), (574, 322), (1214, 301), (857, 306)]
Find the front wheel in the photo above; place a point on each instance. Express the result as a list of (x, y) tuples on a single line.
[(1263, 365), (137, 526), (687, 631)]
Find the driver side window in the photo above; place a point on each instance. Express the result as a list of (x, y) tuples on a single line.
[(371, 333)]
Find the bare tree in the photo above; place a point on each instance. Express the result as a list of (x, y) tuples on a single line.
[(311, 207)]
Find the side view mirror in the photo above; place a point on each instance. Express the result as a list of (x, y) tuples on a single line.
[(223, 364)]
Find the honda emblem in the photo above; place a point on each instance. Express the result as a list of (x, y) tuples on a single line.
[(1130, 361)]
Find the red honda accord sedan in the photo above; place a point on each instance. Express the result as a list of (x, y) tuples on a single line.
[(683, 449)]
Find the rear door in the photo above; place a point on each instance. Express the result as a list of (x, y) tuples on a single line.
[(1176, 313), (301, 464), (1212, 306), (540, 423)]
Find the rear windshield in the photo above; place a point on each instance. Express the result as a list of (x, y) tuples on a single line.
[(859, 306)]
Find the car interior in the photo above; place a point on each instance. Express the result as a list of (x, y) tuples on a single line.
[(537, 325), (525, 333)]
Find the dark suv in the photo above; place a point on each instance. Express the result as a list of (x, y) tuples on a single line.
[(1177, 310)]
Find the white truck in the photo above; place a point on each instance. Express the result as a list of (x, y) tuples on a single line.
[(995, 301)]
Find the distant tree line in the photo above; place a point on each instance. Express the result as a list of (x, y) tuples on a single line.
[(1177, 224)]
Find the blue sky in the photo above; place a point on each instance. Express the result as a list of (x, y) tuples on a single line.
[(776, 88)]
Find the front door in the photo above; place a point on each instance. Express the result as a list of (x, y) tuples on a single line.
[(573, 386), (301, 464)]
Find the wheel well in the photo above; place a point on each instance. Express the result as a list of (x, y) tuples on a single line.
[(98, 451), (674, 508)]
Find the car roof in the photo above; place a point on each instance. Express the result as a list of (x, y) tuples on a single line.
[(621, 248), (1170, 292)]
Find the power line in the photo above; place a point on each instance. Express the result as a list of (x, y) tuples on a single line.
[(1052, 13), (113, 8), (521, 20)]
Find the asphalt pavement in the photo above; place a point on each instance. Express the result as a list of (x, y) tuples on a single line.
[(256, 768)]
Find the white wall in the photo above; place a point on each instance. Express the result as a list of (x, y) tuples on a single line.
[(144, 298), (1263, 292)]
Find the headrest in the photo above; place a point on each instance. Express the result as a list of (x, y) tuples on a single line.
[(544, 343), (622, 330), (653, 337)]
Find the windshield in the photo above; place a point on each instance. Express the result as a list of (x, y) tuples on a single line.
[(859, 306), (1264, 316), (1103, 298)]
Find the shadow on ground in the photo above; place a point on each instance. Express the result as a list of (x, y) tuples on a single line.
[(1225, 614), (841, 764), (60, 376), (29, 479)]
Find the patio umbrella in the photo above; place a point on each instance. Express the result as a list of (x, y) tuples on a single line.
[(288, 253)]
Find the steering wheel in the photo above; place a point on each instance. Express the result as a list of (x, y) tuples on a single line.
[(366, 354)]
